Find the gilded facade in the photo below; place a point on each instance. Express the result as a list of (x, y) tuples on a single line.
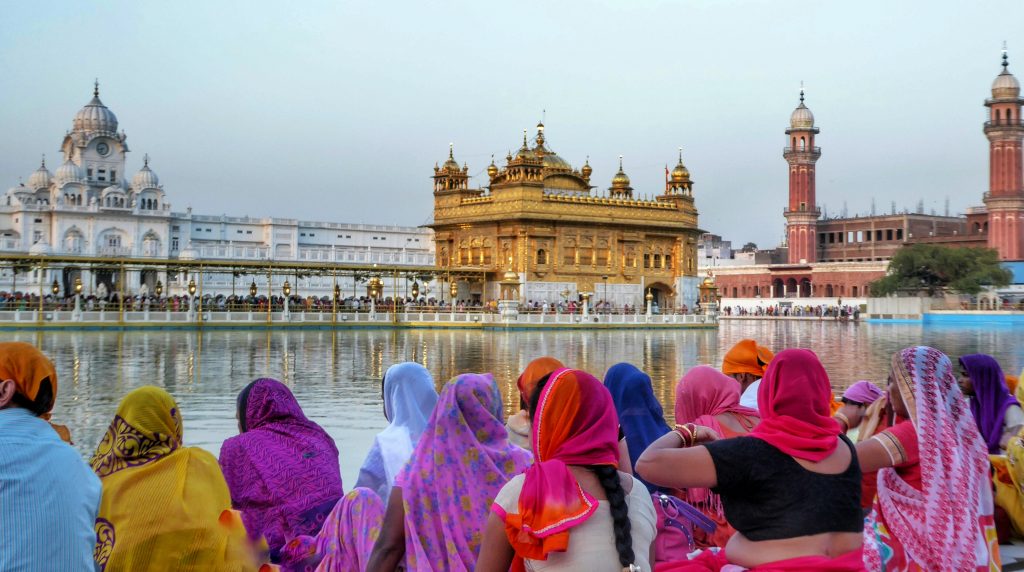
[(543, 220)]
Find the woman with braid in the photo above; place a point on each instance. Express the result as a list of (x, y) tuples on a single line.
[(572, 509)]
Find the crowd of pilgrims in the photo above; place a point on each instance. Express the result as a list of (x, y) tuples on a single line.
[(765, 470)]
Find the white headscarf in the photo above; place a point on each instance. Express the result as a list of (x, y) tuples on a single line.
[(409, 399)]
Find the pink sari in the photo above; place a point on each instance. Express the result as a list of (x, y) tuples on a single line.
[(947, 524), (345, 542), (461, 462)]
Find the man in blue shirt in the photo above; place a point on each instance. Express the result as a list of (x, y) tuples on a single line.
[(48, 495)]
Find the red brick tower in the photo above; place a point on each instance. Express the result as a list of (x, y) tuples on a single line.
[(802, 213), (1005, 198)]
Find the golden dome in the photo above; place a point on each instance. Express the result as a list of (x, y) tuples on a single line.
[(680, 174), (492, 169), (620, 180), (451, 164), (586, 170)]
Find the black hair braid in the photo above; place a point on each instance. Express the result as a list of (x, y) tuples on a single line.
[(609, 478)]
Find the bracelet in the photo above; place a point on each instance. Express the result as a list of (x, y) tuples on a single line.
[(690, 435), (842, 417)]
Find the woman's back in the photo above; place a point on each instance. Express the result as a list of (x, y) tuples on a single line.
[(591, 547)]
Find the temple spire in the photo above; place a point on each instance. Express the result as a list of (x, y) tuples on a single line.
[(451, 150), (1006, 60), (801, 92), (96, 87)]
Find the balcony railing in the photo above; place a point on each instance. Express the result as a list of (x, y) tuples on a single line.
[(791, 150), (1005, 123)]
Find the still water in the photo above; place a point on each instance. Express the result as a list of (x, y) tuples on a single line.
[(336, 375)]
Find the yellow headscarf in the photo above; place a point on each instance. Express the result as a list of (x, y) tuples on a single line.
[(162, 502)]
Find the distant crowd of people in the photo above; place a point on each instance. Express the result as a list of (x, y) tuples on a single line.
[(764, 469), (819, 311)]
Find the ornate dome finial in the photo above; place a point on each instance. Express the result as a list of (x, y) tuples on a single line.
[(96, 87), (42, 164), (801, 92), (145, 160), (1006, 60), (680, 155), (525, 146), (620, 162), (451, 150)]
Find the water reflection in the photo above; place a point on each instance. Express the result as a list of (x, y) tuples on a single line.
[(336, 375)]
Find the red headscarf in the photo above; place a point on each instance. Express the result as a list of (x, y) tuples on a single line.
[(794, 400), (575, 424), (534, 372)]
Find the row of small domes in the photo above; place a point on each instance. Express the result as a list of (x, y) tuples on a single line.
[(69, 172)]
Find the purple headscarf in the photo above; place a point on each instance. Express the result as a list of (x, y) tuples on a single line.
[(460, 463), (282, 470), (991, 397), (863, 392)]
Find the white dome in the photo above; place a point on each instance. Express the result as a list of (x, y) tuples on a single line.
[(69, 173), (95, 116), (802, 118), (1005, 86), (41, 178), (145, 178), (39, 248)]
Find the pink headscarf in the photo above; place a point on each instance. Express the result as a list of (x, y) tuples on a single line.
[(704, 393), (937, 525), (701, 395), (461, 462), (795, 400)]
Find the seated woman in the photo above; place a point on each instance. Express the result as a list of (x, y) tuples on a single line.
[(933, 510), (791, 488), (640, 416), (996, 412), (440, 499), (865, 408), (409, 399), (709, 398), (518, 425), (162, 501), (345, 542), (282, 469), (571, 510)]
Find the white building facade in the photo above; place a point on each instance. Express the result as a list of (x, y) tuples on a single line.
[(90, 207)]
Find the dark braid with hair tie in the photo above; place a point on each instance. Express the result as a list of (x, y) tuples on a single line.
[(612, 484)]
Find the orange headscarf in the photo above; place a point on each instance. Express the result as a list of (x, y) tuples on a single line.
[(747, 357), (35, 380), (534, 372)]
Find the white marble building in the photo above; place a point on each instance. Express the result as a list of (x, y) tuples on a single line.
[(90, 207)]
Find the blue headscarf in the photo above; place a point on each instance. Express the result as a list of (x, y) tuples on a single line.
[(640, 415)]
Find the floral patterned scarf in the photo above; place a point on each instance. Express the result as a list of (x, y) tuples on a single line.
[(460, 463)]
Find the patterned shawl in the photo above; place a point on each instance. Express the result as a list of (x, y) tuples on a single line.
[(345, 542), (640, 415), (937, 526), (282, 469), (991, 397), (161, 501), (574, 424), (409, 399), (701, 395), (795, 400), (461, 462)]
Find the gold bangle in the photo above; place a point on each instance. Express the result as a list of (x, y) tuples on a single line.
[(691, 435), (842, 417)]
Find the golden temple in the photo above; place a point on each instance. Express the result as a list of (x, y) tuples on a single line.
[(543, 220)]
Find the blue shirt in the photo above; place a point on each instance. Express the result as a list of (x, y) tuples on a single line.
[(49, 498)]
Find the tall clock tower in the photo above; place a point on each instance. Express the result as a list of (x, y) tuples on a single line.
[(95, 145)]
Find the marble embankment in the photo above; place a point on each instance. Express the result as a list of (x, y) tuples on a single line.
[(242, 320)]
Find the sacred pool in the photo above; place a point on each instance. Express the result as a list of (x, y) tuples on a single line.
[(336, 375)]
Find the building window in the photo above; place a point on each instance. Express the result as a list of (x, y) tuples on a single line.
[(542, 256), (239, 231), (899, 234), (668, 261), (174, 243), (878, 235), (113, 175), (88, 172), (248, 232), (647, 260)]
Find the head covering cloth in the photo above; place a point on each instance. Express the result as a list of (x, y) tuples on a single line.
[(795, 405), (747, 357), (283, 468), (574, 424), (640, 415), (535, 371), (345, 542), (460, 463), (938, 526), (991, 397), (35, 380), (863, 392), (162, 502)]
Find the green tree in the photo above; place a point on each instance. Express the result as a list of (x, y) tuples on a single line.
[(931, 269)]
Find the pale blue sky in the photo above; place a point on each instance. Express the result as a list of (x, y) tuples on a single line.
[(338, 110)]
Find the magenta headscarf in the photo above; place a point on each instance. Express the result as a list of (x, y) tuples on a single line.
[(282, 470), (345, 542), (795, 400), (460, 463), (863, 392), (991, 397)]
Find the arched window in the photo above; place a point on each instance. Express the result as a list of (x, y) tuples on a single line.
[(997, 116), (1009, 116), (803, 143), (542, 256)]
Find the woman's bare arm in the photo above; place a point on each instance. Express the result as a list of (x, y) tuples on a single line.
[(389, 550), (872, 456), (667, 463), (495, 551)]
